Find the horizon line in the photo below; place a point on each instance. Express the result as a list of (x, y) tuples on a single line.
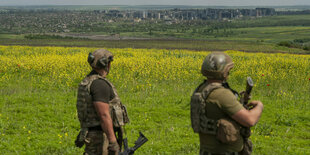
[(152, 5)]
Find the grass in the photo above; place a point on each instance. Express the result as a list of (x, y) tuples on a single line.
[(252, 39), (38, 114), (209, 45), (11, 36)]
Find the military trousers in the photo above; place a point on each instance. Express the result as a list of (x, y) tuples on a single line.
[(96, 143)]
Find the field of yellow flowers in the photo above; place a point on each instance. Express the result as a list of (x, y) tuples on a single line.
[(38, 94)]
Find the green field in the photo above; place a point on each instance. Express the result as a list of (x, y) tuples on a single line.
[(38, 88), (155, 77), (212, 45), (259, 43)]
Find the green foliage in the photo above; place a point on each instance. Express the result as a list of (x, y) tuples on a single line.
[(297, 43), (285, 43), (46, 36), (38, 115)]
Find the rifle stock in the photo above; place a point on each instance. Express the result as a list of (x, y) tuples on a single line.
[(139, 142)]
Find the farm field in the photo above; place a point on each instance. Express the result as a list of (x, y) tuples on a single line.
[(38, 88), (197, 45), (254, 39), (252, 35)]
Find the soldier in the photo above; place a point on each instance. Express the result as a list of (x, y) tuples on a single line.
[(100, 112), (217, 115)]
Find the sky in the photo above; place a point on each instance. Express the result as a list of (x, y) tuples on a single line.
[(159, 2)]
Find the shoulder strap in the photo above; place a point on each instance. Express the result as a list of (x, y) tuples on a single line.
[(89, 80), (111, 85), (206, 91), (201, 86), (226, 85), (200, 122)]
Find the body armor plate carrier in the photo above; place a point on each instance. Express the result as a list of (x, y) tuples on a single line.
[(226, 130), (87, 114), (200, 122)]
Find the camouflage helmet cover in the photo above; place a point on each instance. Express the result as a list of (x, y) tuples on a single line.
[(216, 66), (100, 58)]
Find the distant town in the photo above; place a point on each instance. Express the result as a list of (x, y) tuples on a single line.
[(49, 20), (190, 14)]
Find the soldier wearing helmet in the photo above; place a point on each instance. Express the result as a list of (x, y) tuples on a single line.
[(217, 115), (100, 112)]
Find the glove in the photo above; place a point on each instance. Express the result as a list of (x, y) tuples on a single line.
[(245, 132), (113, 148), (77, 141)]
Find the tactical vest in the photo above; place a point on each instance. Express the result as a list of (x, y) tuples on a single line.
[(226, 130), (199, 120), (87, 113)]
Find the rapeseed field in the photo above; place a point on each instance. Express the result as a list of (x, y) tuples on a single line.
[(38, 95)]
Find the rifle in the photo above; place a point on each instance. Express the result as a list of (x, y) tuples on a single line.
[(246, 96), (246, 131), (139, 142), (247, 93), (119, 133)]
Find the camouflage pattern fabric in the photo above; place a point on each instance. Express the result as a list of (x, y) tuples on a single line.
[(118, 111), (87, 114), (96, 143), (88, 117), (200, 123), (228, 131), (216, 66), (220, 104), (100, 58), (247, 147)]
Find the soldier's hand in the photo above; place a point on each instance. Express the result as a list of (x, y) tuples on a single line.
[(255, 103), (113, 148), (77, 141)]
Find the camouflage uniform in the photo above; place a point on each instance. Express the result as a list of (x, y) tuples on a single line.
[(91, 133), (96, 142), (212, 105)]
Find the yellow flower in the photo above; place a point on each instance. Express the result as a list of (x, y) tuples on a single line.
[(29, 132), (60, 136)]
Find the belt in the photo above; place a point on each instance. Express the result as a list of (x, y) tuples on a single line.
[(209, 153), (95, 128)]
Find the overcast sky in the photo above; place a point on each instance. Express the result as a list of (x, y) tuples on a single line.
[(158, 2)]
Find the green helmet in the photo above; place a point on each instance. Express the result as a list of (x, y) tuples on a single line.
[(216, 66), (100, 58)]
